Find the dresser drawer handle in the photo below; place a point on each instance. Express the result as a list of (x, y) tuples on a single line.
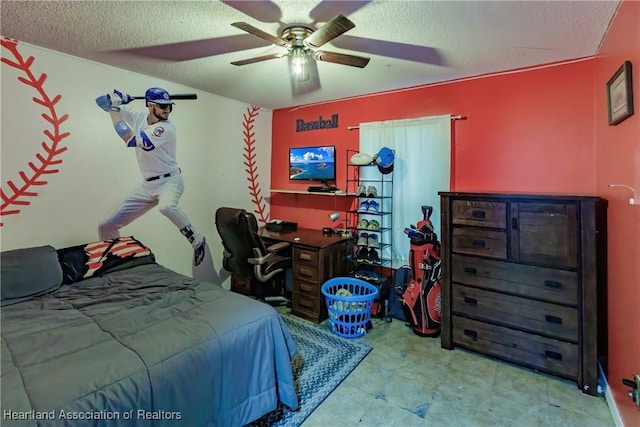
[(470, 270), (471, 334), (477, 243), (552, 284), (305, 256), (553, 319), (478, 214), (553, 355), (470, 301)]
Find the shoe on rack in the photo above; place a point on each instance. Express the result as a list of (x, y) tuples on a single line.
[(362, 254), (198, 252), (361, 191), (372, 240), (363, 224), (372, 276), (372, 191), (373, 225), (364, 206), (373, 206), (373, 257), (363, 239), (361, 274)]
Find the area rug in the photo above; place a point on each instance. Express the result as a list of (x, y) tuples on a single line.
[(322, 361)]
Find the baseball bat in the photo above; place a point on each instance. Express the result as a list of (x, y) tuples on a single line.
[(176, 96)]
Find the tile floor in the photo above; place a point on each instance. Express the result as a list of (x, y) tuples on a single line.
[(409, 380)]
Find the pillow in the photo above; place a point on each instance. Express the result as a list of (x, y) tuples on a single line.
[(102, 257), (28, 273)]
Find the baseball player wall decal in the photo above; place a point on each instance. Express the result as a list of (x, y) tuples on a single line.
[(153, 137)]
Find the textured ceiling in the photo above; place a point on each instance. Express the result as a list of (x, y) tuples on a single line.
[(410, 43)]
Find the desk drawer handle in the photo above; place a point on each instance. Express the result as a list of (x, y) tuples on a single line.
[(471, 334), (470, 270), (477, 243), (478, 214), (305, 256), (307, 304), (470, 301), (553, 355), (553, 319), (307, 288), (306, 272), (552, 284)]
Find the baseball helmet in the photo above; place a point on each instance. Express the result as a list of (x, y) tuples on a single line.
[(157, 96), (361, 159), (384, 159)]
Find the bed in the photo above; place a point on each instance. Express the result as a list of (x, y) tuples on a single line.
[(100, 334)]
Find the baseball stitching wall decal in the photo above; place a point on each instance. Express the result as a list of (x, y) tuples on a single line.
[(16, 195), (250, 163)]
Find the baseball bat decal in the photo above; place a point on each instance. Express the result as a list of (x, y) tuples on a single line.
[(177, 96)]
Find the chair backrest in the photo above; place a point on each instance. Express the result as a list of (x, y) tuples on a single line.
[(238, 230)]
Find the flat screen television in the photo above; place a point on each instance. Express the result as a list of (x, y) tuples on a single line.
[(316, 163)]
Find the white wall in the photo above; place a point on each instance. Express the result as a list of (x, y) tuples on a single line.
[(97, 170)]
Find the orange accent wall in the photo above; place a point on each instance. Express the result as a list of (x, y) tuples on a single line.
[(617, 151), (538, 130), (529, 131)]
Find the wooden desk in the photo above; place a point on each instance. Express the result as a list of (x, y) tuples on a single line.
[(315, 259)]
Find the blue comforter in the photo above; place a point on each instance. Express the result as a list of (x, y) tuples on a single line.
[(143, 346)]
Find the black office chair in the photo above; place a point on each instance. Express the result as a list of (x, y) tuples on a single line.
[(246, 255)]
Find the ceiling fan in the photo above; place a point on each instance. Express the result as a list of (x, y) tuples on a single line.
[(302, 43)]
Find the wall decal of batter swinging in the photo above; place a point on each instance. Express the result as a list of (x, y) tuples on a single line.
[(154, 139), (15, 196)]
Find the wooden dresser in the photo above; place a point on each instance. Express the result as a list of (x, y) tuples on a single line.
[(315, 259), (524, 280)]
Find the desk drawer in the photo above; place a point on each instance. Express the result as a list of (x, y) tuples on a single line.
[(482, 214), (475, 241), (534, 316), (308, 307), (548, 284), (546, 354), (306, 256), (306, 288)]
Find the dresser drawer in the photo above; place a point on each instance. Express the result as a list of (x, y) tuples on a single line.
[(546, 354), (547, 284), (534, 316), (473, 241), (483, 214)]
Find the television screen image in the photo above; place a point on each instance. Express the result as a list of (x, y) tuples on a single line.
[(312, 163)]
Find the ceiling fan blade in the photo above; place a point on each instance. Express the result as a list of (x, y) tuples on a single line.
[(196, 49), (259, 33), (259, 59), (329, 31), (341, 58), (409, 52)]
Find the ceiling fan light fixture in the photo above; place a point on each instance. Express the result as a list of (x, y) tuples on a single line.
[(298, 60)]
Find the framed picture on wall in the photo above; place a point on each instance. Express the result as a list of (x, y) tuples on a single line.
[(620, 94)]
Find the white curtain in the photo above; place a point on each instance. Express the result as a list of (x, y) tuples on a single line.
[(422, 167)]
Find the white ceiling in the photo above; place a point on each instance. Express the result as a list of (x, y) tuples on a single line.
[(410, 43)]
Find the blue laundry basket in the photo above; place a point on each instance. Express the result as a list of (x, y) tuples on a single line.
[(349, 304)]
